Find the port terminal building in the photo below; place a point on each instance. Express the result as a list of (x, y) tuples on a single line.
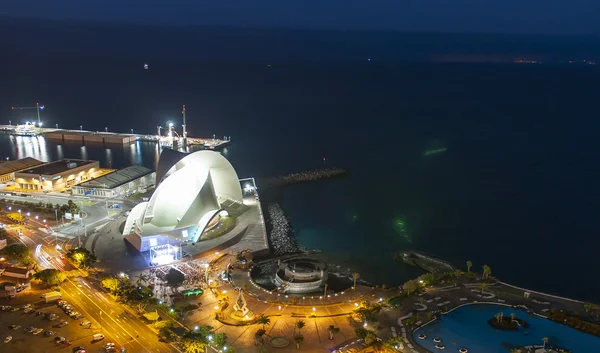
[(118, 183), (8, 168), (57, 176)]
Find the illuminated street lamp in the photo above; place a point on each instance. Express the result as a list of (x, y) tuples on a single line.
[(9, 208), (36, 217), (44, 221), (81, 127), (27, 214)]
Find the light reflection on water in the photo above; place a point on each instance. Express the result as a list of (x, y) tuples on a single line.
[(109, 156)]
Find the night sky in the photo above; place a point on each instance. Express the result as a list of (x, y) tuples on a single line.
[(481, 16)]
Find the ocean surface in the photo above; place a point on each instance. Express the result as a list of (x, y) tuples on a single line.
[(515, 182)]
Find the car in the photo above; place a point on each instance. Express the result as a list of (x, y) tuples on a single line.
[(110, 350), (59, 339), (8, 339), (109, 344), (29, 329), (85, 323), (78, 348), (14, 327), (62, 324), (78, 316), (98, 337), (38, 331), (49, 333)]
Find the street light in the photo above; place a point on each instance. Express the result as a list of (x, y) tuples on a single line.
[(36, 217), (27, 214), (106, 129), (81, 127)]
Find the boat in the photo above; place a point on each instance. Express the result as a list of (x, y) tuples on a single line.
[(8, 339), (27, 129)]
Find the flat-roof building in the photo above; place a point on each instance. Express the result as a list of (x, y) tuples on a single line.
[(8, 168), (118, 183), (57, 175)]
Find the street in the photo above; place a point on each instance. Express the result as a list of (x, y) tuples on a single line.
[(117, 322)]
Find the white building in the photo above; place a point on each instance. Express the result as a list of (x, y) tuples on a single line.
[(190, 192), (117, 184)]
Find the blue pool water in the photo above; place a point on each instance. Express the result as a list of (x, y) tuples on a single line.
[(467, 327)]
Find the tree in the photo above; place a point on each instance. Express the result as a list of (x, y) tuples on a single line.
[(263, 320), (220, 339), (332, 331), (81, 256), (299, 338), (355, 276), (487, 271), (18, 252), (300, 324), (361, 332), (428, 279), (370, 339), (512, 317), (515, 350), (50, 277), (142, 279), (545, 340), (189, 345), (483, 286), (111, 284), (411, 286), (458, 273), (469, 265)]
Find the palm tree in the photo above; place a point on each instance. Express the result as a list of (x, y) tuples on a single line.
[(469, 264), (332, 331), (515, 350), (263, 320), (512, 317), (545, 340), (300, 324), (483, 286), (298, 339), (487, 271), (355, 276), (498, 317), (458, 273), (142, 278)]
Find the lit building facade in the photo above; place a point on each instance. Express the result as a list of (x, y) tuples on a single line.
[(119, 183), (188, 199), (8, 168), (57, 176)]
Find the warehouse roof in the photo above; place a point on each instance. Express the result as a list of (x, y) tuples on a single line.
[(19, 164), (60, 166), (118, 178)]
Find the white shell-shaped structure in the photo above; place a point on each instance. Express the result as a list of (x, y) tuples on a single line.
[(190, 191)]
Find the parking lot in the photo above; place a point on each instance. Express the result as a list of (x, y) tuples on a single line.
[(78, 335)]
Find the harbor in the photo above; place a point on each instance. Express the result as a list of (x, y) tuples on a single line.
[(113, 138)]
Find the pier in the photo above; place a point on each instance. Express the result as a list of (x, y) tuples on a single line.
[(114, 138), (425, 262)]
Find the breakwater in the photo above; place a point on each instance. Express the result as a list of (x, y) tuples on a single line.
[(305, 176), (279, 229)]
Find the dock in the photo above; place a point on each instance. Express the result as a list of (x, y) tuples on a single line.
[(115, 138), (425, 262)]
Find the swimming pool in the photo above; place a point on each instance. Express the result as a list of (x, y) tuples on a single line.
[(467, 327)]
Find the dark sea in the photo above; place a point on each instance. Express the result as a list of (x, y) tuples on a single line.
[(514, 183)]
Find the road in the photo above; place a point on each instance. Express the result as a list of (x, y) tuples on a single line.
[(96, 212), (118, 323)]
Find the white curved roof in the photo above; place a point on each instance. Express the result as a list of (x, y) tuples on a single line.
[(186, 195), (225, 179)]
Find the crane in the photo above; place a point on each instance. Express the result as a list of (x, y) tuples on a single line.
[(38, 107)]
